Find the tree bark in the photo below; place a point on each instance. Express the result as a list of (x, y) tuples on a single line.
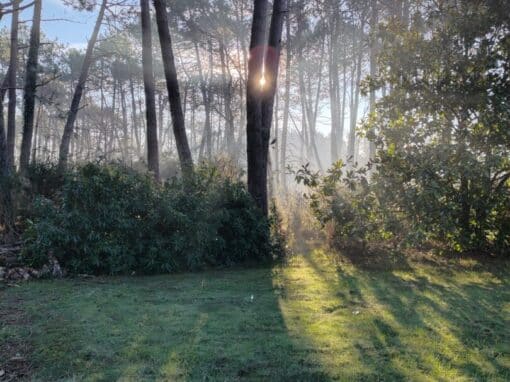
[(351, 149), (78, 92), (206, 136), (334, 86), (286, 106), (257, 160), (12, 73), (30, 88), (134, 118), (150, 98), (373, 69), (271, 68), (172, 85), (6, 206)]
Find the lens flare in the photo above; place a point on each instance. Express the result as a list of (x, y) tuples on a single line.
[(262, 81)]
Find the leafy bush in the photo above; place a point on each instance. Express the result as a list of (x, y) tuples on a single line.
[(113, 220), (409, 207), (354, 211)]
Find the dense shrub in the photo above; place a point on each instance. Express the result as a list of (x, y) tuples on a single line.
[(113, 220), (353, 211), (356, 211)]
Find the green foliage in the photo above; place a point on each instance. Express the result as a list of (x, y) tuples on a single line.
[(442, 131), (113, 220), (354, 210)]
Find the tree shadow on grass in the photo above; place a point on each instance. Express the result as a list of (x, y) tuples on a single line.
[(313, 320), (222, 325), (427, 323)]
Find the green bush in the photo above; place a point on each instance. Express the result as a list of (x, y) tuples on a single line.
[(407, 208), (355, 211), (113, 220)]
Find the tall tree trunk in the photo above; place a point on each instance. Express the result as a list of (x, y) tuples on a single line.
[(340, 135), (351, 149), (206, 136), (373, 68), (276, 166), (30, 88), (125, 133), (286, 107), (6, 206), (172, 85), (257, 162), (13, 68), (227, 95), (334, 86), (36, 134), (134, 118), (113, 120), (262, 82), (75, 103)]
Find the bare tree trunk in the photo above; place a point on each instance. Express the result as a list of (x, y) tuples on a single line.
[(206, 136), (286, 106), (227, 95), (262, 82), (113, 121), (373, 68), (30, 88), (276, 166), (75, 103), (125, 133), (36, 134), (6, 206), (134, 118), (161, 131), (172, 85), (351, 149), (334, 87), (340, 135), (257, 161), (13, 68)]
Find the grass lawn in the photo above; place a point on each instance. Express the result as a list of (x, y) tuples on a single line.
[(312, 320)]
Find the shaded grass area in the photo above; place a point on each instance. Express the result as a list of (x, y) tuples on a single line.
[(314, 319)]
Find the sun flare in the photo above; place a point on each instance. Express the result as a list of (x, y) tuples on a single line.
[(262, 81)]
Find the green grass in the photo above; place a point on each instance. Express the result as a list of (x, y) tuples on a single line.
[(312, 320)]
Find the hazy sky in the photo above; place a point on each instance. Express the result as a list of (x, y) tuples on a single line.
[(61, 22)]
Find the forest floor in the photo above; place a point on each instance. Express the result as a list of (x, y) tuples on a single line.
[(311, 320)]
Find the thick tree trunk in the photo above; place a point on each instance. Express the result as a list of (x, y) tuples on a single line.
[(262, 82), (172, 85), (78, 92), (13, 68), (257, 160), (30, 88)]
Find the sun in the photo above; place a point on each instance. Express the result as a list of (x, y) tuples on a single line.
[(262, 81)]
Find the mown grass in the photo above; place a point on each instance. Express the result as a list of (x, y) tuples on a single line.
[(314, 319)]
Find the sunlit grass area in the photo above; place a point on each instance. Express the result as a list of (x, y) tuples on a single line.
[(314, 319)]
